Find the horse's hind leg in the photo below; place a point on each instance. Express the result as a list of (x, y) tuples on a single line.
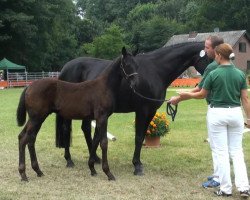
[(22, 140), (86, 128), (32, 150)]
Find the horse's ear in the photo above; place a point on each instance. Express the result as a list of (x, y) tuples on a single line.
[(124, 51)]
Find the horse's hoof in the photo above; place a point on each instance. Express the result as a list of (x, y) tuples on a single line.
[(40, 174), (70, 164), (111, 178), (25, 179), (93, 173), (138, 173)]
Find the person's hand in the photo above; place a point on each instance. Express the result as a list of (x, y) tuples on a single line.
[(174, 100)]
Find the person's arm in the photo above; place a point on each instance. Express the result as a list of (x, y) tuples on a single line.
[(176, 99), (200, 94), (194, 95), (246, 105)]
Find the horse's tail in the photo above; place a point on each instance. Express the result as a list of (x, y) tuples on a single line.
[(21, 110), (63, 132)]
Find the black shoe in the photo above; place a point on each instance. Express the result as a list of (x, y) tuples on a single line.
[(222, 194), (245, 194)]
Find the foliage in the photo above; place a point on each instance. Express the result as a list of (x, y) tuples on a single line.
[(43, 35), (151, 34), (108, 45), (159, 126)]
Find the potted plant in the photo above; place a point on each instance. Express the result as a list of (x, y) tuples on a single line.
[(158, 127)]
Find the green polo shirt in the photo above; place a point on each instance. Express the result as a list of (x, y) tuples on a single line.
[(225, 83), (212, 66)]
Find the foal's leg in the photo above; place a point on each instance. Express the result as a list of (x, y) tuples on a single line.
[(142, 121), (102, 128), (96, 141), (32, 150), (22, 138), (86, 128), (66, 137), (28, 136)]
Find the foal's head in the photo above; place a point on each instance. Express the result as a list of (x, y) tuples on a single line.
[(129, 67)]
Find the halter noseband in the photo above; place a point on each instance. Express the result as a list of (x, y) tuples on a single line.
[(169, 109), (127, 76)]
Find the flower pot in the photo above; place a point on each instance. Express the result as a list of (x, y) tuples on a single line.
[(152, 141)]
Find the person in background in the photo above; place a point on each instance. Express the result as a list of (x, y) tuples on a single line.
[(225, 119), (210, 43)]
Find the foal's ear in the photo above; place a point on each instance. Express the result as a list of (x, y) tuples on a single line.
[(124, 51)]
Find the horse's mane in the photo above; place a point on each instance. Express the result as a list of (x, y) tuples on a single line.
[(170, 47)]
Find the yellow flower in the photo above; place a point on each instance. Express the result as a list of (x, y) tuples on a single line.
[(159, 126)]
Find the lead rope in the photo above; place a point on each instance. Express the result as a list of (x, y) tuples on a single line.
[(169, 109)]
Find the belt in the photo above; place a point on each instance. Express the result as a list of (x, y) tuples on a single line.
[(211, 106)]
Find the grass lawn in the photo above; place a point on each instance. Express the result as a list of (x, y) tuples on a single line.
[(173, 171)]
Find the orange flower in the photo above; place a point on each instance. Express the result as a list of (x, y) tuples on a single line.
[(159, 126)]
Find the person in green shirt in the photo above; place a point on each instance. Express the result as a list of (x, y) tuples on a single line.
[(210, 43), (225, 119)]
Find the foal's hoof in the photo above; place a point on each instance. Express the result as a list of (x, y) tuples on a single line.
[(111, 178), (93, 173), (25, 179), (70, 164), (40, 174), (138, 172)]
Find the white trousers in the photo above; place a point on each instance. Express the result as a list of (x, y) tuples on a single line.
[(225, 130), (214, 157)]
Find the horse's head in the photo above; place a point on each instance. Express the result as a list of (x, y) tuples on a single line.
[(200, 59), (129, 67)]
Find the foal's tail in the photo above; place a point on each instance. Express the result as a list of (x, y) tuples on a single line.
[(21, 110), (63, 132)]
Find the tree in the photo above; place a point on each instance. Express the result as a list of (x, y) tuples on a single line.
[(17, 29), (154, 33), (147, 29), (108, 45), (204, 16)]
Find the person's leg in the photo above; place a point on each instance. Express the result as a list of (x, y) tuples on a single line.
[(235, 131), (212, 181), (214, 158), (217, 126)]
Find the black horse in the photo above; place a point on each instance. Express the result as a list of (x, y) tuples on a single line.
[(157, 69), (86, 100)]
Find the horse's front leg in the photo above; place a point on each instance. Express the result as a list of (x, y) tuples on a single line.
[(86, 128), (141, 124), (95, 143), (104, 147), (66, 135)]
